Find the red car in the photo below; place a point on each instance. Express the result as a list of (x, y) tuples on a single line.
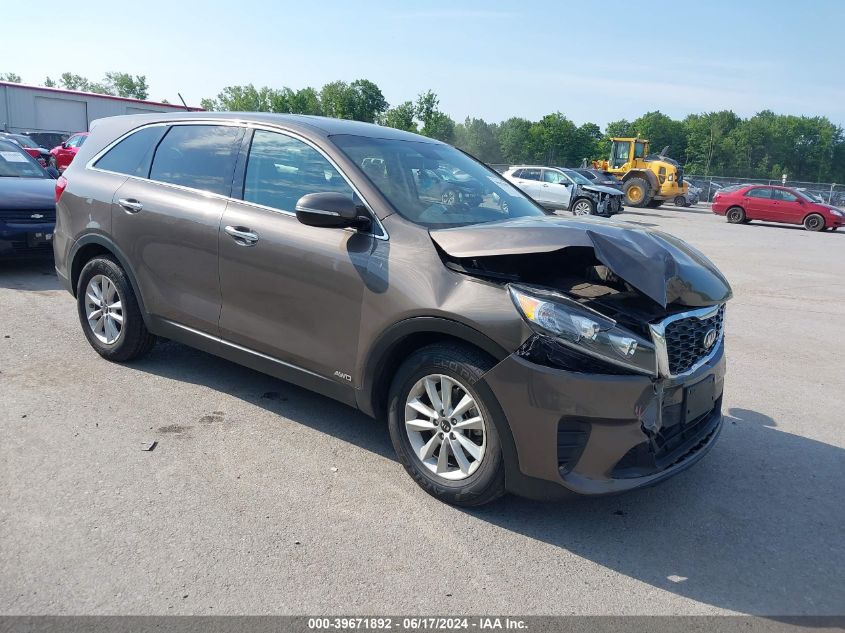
[(61, 155), (29, 146), (776, 204)]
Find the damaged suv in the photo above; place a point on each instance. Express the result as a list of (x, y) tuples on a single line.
[(507, 348)]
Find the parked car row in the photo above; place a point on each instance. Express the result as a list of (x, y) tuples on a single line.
[(35, 144)]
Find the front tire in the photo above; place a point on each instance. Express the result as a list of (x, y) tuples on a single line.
[(442, 427), (109, 312), (735, 215), (583, 206), (814, 222), (637, 192)]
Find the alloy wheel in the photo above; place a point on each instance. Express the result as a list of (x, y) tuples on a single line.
[(445, 427), (582, 207), (104, 309)]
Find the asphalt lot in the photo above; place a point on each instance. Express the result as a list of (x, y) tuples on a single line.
[(264, 498)]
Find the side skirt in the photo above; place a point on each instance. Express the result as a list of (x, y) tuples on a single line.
[(253, 359)]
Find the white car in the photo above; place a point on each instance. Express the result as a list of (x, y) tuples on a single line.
[(561, 188)]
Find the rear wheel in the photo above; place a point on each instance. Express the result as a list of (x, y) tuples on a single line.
[(636, 192), (441, 425), (814, 222), (680, 201), (109, 312), (735, 215), (583, 206)]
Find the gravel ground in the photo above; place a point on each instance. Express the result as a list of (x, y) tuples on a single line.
[(261, 497)]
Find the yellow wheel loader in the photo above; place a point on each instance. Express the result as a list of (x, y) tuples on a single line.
[(648, 180)]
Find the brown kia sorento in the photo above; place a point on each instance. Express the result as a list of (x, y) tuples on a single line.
[(508, 349)]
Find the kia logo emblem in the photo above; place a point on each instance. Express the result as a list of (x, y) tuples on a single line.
[(709, 339)]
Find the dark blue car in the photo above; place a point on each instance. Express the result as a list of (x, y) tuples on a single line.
[(27, 204)]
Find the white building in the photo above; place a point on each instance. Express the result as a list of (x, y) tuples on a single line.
[(26, 108)]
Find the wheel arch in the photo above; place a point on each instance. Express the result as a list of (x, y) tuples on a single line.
[(89, 246), (824, 219), (643, 173), (404, 337)]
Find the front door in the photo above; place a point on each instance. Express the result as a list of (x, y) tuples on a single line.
[(556, 189), (169, 224), (291, 291), (789, 208)]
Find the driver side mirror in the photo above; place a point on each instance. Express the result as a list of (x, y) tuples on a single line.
[(331, 210)]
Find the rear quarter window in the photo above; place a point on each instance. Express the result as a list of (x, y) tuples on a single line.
[(131, 156), (198, 156)]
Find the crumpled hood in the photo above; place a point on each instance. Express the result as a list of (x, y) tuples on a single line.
[(23, 194), (602, 189), (661, 266)]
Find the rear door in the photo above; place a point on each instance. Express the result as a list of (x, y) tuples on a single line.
[(168, 223), (529, 180), (556, 189), (758, 204), (291, 291)]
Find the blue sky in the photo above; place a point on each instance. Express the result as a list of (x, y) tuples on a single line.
[(593, 62)]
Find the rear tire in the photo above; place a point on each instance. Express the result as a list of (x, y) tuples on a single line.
[(109, 312), (814, 222), (680, 201), (470, 480), (637, 192), (735, 215)]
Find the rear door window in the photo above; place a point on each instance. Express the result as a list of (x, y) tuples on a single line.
[(132, 155), (759, 192), (198, 156), (530, 174), (282, 169)]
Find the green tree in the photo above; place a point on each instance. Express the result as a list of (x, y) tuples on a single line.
[(125, 85), (514, 140), (70, 81), (246, 98), (662, 131), (49, 83), (479, 138), (400, 117), (553, 141), (368, 102), (10, 77), (435, 124)]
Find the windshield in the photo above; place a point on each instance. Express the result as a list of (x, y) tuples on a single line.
[(578, 178), (24, 141), (808, 196), (15, 163), (435, 185)]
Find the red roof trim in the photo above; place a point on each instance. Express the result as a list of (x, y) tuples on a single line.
[(94, 94)]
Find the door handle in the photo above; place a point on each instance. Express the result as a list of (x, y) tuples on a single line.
[(242, 235), (130, 204), (545, 185)]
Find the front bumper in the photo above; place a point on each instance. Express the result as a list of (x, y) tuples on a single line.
[(26, 239), (586, 433)]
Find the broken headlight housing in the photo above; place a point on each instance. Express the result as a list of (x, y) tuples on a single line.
[(568, 322)]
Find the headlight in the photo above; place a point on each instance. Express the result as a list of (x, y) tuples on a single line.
[(836, 213), (585, 330)]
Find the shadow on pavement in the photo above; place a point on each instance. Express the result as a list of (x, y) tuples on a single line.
[(739, 531), (32, 274)]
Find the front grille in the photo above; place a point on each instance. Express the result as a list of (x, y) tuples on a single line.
[(25, 217), (685, 340)]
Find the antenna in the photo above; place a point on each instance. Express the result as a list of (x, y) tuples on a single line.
[(183, 102)]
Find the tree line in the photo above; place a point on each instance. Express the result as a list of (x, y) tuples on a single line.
[(763, 146)]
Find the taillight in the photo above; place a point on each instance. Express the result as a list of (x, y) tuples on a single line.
[(61, 184)]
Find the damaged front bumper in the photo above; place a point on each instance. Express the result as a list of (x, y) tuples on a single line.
[(599, 434)]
